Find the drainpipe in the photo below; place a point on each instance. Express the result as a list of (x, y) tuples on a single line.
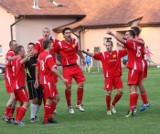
[(11, 26)]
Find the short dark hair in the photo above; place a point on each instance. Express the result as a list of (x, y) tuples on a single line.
[(17, 49), (132, 33), (46, 43), (31, 43), (109, 41), (136, 30), (66, 28), (10, 43), (87, 49)]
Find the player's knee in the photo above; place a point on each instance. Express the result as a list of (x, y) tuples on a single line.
[(68, 87), (81, 85)]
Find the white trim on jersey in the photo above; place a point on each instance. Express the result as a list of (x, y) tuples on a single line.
[(60, 44)]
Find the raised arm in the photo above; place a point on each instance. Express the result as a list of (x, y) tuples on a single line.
[(138, 41), (121, 40), (90, 54)]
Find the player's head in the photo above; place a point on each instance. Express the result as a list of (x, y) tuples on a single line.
[(13, 44), (30, 46), (67, 33), (46, 33), (109, 45), (47, 45), (19, 50), (136, 30), (129, 34)]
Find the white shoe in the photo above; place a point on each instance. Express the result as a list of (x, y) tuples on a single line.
[(71, 110), (80, 108), (55, 112), (113, 110), (109, 112)]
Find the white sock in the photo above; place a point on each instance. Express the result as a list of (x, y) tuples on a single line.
[(33, 110), (37, 108)]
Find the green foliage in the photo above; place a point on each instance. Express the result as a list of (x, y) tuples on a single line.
[(94, 119)]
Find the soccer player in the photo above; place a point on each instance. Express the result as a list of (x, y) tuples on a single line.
[(18, 66), (88, 61), (46, 68), (35, 94), (112, 70), (68, 49), (134, 65), (144, 69), (39, 48), (10, 107)]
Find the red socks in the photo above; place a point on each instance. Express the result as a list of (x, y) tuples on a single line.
[(79, 95), (47, 112), (68, 97), (133, 100), (20, 113), (144, 98), (53, 106), (116, 99), (9, 111), (108, 102)]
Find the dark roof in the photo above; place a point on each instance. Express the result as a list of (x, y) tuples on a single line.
[(24, 7), (112, 13)]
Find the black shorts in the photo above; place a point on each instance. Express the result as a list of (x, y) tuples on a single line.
[(33, 92)]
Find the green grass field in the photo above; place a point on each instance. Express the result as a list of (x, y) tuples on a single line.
[(94, 120)]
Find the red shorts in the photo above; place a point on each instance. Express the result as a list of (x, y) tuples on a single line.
[(44, 96), (73, 72), (134, 77), (50, 90), (113, 82), (9, 84), (145, 69), (21, 95)]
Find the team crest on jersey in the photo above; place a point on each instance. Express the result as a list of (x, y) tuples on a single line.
[(73, 46), (114, 56)]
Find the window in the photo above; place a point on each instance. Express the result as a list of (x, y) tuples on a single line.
[(107, 39), (0, 50)]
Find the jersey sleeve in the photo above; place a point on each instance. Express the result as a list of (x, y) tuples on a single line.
[(98, 56), (37, 46), (58, 46), (123, 53), (50, 62), (10, 54), (129, 44)]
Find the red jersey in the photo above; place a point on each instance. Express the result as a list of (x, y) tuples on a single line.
[(8, 71), (45, 63), (134, 55), (111, 62), (19, 73), (39, 46), (68, 51)]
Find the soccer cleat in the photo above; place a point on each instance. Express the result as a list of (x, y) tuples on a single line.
[(71, 110), (55, 112), (19, 123), (144, 106), (50, 121), (113, 110), (109, 112), (80, 108), (5, 118), (135, 110), (130, 114), (34, 119)]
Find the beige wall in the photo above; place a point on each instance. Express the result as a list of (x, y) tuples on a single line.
[(6, 20), (94, 38), (30, 30), (151, 35)]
